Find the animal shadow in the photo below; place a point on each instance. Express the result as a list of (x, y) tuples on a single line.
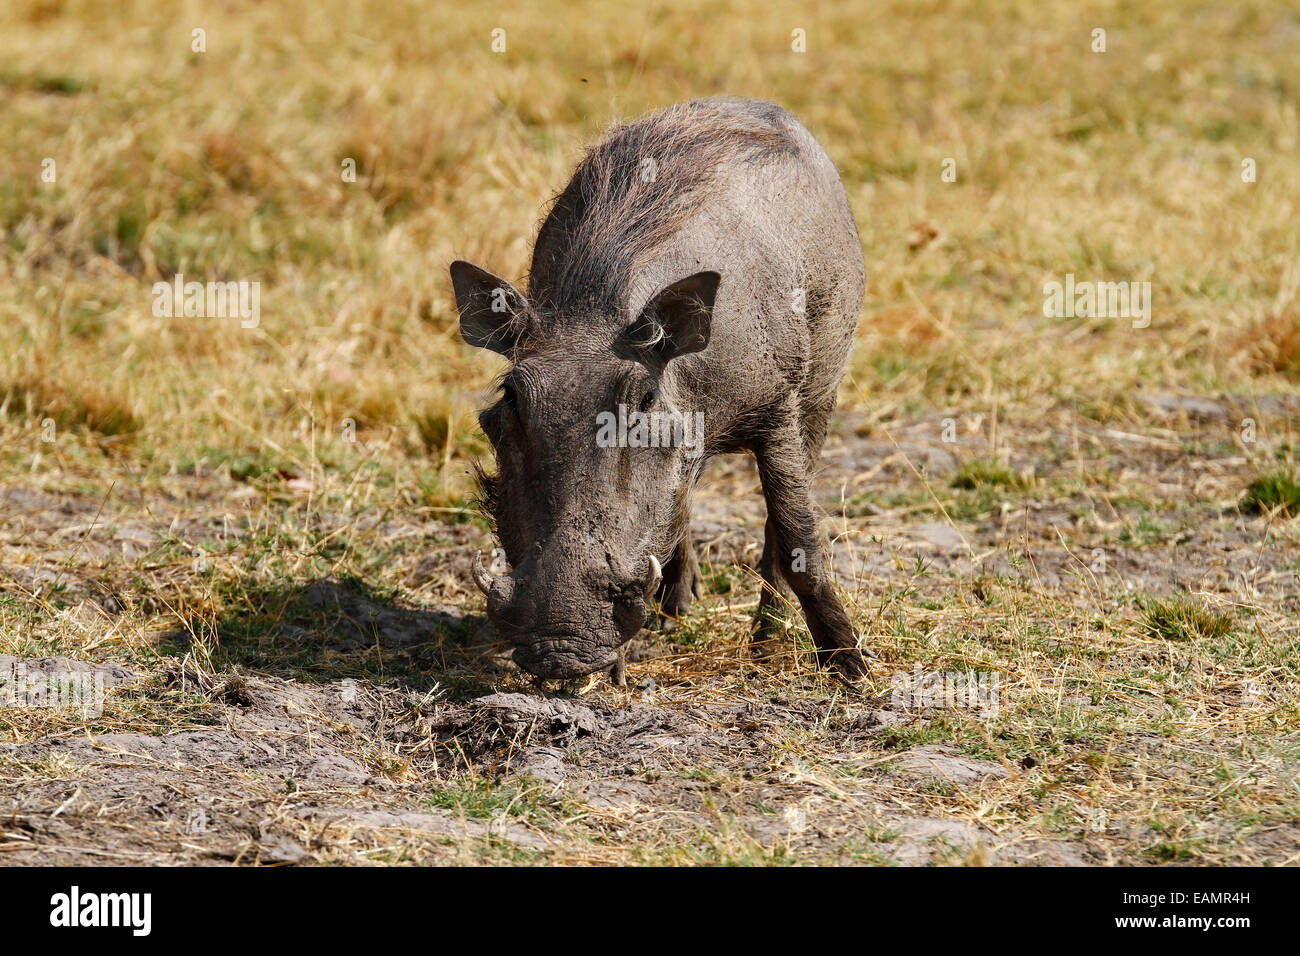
[(330, 629)]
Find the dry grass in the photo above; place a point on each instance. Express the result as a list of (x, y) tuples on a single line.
[(198, 477)]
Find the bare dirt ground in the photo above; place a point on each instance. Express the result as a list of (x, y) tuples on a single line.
[(288, 681)]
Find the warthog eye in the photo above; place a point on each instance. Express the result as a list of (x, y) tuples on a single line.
[(650, 398)]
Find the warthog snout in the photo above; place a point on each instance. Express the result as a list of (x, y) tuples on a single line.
[(539, 623)]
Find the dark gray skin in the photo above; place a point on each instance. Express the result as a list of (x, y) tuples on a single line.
[(666, 277)]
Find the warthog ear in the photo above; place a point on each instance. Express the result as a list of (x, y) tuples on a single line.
[(488, 307), (679, 319)]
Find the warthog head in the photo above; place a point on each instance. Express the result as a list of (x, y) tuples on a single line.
[(585, 505)]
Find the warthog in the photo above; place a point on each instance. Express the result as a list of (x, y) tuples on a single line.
[(703, 266)]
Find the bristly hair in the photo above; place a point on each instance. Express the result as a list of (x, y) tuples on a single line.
[(617, 207), (486, 494), (487, 486)]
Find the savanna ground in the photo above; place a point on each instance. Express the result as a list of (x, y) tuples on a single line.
[(260, 537)]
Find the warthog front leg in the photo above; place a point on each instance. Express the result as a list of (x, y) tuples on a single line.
[(774, 598), (793, 550), (618, 670), (682, 583)]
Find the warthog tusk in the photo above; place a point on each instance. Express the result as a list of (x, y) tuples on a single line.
[(653, 576), (481, 577)]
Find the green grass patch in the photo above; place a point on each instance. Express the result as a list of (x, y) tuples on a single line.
[(1277, 490), (980, 473), (1178, 619)]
